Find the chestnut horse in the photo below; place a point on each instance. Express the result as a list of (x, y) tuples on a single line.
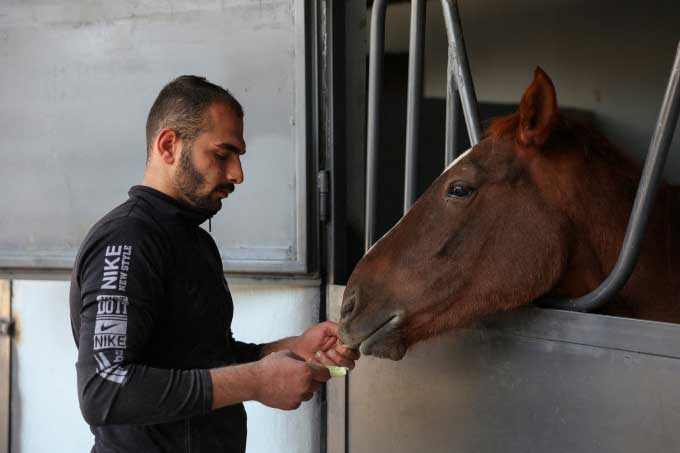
[(538, 208)]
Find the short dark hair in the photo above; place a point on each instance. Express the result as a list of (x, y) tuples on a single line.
[(181, 106)]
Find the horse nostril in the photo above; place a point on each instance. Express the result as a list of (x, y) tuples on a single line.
[(347, 307)]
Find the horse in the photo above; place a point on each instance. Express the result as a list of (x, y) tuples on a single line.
[(536, 209)]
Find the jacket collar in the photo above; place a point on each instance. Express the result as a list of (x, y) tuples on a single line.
[(170, 206)]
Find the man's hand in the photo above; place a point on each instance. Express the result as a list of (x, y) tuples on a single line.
[(285, 380), (320, 344)]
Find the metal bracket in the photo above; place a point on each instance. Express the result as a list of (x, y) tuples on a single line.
[(6, 327)]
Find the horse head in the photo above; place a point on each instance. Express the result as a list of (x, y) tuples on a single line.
[(531, 210)]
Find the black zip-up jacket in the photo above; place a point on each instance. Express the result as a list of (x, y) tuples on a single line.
[(151, 313)]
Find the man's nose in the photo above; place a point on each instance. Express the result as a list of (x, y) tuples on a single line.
[(235, 171)]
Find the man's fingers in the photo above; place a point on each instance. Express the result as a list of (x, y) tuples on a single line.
[(314, 386), (348, 353), (331, 328), (322, 358), (319, 373), (315, 360), (340, 360), (329, 343), (315, 364), (293, 355), (332, 358)]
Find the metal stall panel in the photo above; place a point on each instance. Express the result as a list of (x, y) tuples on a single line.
[(77, 83), (525, 381)]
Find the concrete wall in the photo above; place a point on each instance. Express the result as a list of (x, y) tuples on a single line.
[(45, 414), (611, 57)]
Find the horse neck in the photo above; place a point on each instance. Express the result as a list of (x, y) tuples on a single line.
[(651, 292)]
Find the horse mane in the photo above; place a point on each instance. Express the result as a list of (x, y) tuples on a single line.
[(577, 133)]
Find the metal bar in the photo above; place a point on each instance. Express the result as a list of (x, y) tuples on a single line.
[(5, 366), (649, 182), (452, 112), (375, 69), (323, 185), (454, 31), (336, 388), (319, 100), (414, 98)]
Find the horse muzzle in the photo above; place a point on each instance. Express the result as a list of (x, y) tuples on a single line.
[(381, 339)]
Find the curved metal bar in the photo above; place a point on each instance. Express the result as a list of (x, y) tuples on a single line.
[(414, 97), (649, 182), (466, 87), (375, 69), (452, 112)]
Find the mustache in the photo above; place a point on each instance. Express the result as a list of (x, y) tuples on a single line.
[(228, 187)]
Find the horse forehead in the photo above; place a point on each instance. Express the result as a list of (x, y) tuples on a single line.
[(490, 155), (458, 159)]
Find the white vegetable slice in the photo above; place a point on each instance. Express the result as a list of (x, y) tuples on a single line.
[(337, 371)]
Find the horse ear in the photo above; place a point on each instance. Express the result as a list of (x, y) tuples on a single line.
[(537, 111)]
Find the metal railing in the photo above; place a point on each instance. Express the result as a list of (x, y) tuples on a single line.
[(414, 97), (459, 82), (459, 68), (460, 87), (647, 189)]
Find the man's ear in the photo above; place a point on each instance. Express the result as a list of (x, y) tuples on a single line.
[(538, 111), (167, 145)]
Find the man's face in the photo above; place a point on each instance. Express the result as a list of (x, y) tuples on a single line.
[(209, 167)]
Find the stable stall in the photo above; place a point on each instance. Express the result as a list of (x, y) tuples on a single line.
[(530, 380)]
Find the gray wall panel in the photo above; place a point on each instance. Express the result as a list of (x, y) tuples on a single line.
[(77, 82)]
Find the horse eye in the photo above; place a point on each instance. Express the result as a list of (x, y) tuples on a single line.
[(459, 190)]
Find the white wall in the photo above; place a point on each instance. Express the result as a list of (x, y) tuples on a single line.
[(611, 57), (45, 414), (268, 313)]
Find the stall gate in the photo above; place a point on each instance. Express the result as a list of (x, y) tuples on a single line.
[(531, 380)]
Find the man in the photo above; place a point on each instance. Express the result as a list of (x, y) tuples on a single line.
[(158, 368)]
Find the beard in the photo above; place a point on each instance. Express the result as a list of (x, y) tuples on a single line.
[(190, 183)]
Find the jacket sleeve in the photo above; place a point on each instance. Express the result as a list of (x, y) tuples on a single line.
[(246, 352), (120, 274)]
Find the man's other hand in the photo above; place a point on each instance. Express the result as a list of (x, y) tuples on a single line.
[(285, 380), (321, 344)]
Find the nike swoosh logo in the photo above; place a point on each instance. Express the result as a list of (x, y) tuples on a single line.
[(104, 328)]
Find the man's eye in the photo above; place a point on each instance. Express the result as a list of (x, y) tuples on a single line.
[(221, 157), (460, 190)]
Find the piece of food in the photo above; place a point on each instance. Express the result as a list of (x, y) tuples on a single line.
[(337, 371)]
